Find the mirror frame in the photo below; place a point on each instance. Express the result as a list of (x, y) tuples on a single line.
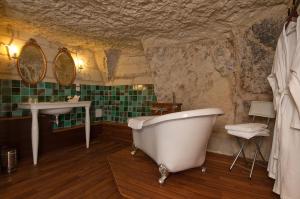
[(32, 42), (67, 52)]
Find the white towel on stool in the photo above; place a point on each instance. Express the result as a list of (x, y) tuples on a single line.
[(247, 127), (249, 135)]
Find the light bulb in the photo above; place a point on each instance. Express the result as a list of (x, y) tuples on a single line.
[(13, 51), (79, 63)]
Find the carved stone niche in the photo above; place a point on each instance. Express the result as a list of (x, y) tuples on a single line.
[(111, 60)]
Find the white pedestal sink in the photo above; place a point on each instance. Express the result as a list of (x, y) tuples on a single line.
[(56, 111), (54, 108)]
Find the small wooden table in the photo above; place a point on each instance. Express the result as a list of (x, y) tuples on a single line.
[(162, 108)]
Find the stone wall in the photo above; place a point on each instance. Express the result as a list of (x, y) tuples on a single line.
[(218, 54), (127, 66), (200, 74), (227, 73), (90, 74), (102, 65)]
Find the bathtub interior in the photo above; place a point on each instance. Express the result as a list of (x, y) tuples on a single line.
[(178, 144)]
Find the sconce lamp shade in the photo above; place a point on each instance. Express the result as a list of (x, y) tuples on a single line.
[(79, 63), (13, 51)]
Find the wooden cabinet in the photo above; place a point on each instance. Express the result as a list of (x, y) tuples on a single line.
[(165, 108)]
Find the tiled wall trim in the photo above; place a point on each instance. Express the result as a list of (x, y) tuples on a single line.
[(117, 102)]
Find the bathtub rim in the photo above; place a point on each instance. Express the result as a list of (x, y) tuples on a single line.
[(183, 115)]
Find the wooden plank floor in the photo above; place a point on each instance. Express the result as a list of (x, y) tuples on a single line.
[(74, 172), (137, 177)]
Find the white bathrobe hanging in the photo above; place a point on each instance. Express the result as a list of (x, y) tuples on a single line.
[(294, 83), (293, 160), (284, 162)]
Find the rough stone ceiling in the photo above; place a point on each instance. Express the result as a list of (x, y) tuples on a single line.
[(109, 20)]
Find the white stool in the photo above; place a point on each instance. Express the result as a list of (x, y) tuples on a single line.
[(252, 131)]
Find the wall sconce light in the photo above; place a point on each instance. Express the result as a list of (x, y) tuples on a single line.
[(79, 64), (11, 51), (78, 61)]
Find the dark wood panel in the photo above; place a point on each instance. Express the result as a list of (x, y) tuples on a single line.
[(17, 132), (117, 131), (72, 172), (137, 177), (161, 108)]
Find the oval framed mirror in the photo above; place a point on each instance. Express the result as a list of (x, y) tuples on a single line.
[(64, 67), (31, 63)]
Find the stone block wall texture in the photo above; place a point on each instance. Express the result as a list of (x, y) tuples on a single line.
[(226, 73), (201, 76), (102, 65), (210, 53), (127, 67), (90, 74)]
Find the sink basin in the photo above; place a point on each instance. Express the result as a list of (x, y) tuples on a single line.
[(56, 111)]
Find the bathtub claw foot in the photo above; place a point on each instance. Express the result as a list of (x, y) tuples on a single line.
[(164, 173), (134, 150), (203, 169), (162, 179)]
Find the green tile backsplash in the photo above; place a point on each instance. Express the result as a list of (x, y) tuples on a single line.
[(117, 102)]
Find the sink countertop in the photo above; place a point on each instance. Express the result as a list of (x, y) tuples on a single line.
[(49, 105)]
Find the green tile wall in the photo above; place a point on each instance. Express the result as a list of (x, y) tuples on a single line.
[(117, 102), (121, 102)]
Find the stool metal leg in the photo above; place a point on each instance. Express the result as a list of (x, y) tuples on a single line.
[(243, 152), (242, 148), (258, 145), (254, 159)]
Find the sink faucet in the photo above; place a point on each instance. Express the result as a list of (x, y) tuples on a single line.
[(174, 100), (75, 98)]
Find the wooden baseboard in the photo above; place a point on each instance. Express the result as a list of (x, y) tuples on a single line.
[(15, 118), (17, 132), (60, 130), (117, 131)]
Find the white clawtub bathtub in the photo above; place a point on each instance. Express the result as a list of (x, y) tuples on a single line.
[(175, 141)]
